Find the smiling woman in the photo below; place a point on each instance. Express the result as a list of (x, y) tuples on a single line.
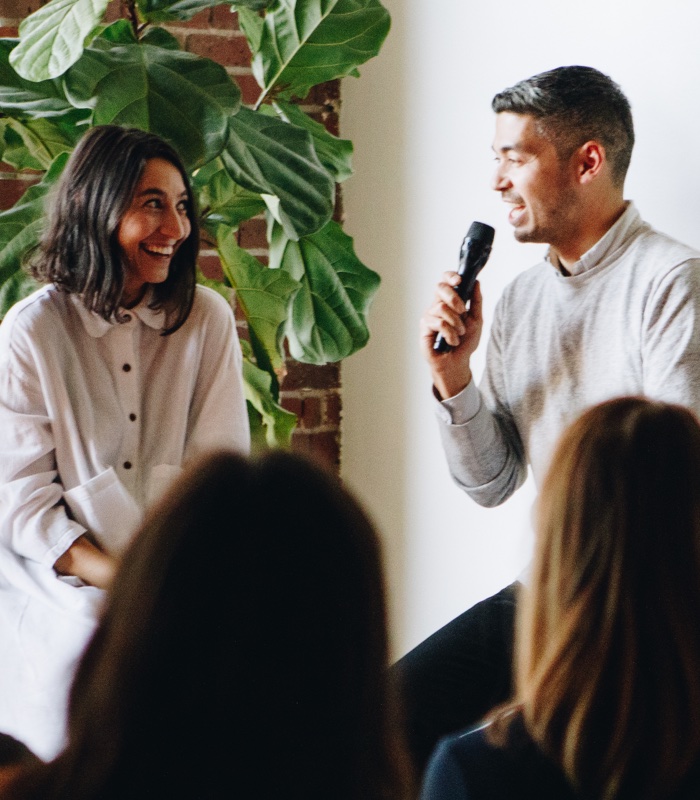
[(153, 227), (112, 377)]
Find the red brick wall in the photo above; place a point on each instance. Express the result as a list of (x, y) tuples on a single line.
[(311, 392)]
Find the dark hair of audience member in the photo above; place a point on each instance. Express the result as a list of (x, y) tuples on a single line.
[(608, 646), (243, 648), (14, 757), (80, 251)]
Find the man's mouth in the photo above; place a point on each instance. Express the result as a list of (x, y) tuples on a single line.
[(515, 214)]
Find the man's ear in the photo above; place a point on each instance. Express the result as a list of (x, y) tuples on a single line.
[(590, 161)]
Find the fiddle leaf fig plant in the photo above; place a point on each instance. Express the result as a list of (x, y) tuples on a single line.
[(69, 70)]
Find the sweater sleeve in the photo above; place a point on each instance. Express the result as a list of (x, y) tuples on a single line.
[(484, 451), (671, 338)]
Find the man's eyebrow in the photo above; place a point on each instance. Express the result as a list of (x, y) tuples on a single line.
[(506, 147)]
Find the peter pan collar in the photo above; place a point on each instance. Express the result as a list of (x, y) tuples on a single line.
[(96, 326)]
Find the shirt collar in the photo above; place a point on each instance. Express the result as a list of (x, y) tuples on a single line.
[(608, 244), (96, 326)]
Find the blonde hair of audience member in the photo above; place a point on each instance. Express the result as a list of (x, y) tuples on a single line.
[(608, 643), (243, 649)]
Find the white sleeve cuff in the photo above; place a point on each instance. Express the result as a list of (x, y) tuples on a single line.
[(461, 408)]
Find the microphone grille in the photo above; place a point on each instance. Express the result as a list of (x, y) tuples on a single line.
[(480, 230)]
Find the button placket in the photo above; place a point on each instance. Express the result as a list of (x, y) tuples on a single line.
[(127, 382)]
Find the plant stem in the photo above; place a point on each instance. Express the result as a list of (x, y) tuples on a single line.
[(128, 9)]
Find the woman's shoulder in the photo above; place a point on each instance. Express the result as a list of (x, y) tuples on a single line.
[(32, 311), (208, 302)]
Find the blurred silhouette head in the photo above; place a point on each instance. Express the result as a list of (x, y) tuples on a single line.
[(244, 643)]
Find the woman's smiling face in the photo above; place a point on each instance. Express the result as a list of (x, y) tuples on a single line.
[(153, 227)]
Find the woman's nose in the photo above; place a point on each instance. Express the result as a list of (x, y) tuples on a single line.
[(175, 224)]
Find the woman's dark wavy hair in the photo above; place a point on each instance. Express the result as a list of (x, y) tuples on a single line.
[(79, 251), (244, 644)]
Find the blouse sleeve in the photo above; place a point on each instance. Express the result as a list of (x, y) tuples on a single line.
[(33, 519), (218, 416)]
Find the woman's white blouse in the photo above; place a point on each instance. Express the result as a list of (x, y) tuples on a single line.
[(96, 419)]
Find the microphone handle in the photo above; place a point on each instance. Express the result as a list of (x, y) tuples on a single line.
[(469, 270)]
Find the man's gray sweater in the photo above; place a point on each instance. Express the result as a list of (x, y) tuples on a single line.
[(626, 321)]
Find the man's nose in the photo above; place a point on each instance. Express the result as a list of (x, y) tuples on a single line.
[(500, 180)]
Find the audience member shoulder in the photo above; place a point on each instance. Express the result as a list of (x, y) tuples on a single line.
[(477, 769)]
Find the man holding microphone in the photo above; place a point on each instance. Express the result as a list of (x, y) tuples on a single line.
[(614, 309)]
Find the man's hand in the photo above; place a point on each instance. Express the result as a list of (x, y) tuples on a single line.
[(87, 562), (461, 328)]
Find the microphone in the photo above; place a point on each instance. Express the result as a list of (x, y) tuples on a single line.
[(473, 255)]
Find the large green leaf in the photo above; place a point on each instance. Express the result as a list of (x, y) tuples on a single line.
[(42, 140), (335, 154), (180, 96), (306, 42), (175, 10), (41, 122), (253, 5), (264, 294), (24, 99), (251, 23), (218, 286), (221, 200), (270, 157), (20, 230), (18, 286), (271, 425), (52, 38), (13, 150), (329, 313)]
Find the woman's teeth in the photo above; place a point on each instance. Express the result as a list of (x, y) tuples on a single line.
[(161, 251)]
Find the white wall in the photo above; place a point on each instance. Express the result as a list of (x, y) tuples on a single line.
[(420, 120)]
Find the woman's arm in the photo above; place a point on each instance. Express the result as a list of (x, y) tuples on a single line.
[(87, 562)]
